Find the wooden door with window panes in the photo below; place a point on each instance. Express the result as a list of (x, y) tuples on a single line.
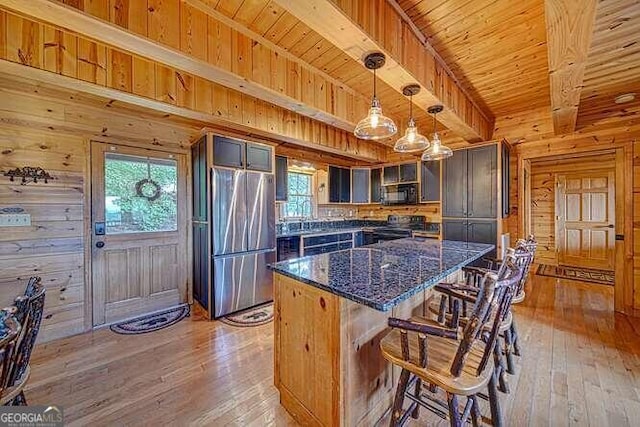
[(585, 205), (139, 236)]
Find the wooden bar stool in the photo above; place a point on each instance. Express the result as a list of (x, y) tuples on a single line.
[(531, 245), (524, 256), (460, 367)]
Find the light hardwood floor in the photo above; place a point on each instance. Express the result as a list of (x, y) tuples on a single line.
[(581, 366)]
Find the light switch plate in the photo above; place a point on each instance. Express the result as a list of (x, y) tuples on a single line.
[(15, 220)]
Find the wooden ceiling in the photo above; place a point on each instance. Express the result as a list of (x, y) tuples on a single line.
[(271, 21), (497, 49), (486, 60), (613, 63)]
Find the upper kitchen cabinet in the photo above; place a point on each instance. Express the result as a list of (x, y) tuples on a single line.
[(259, 157), (408, 172), (470, 183), (281, 178), (390, 175), (376, 185), (506, 179), (430, 181), (234, 153), (482, 184), (345, 185), (454, 186), (360, 182), (228, 152), (339, 185)]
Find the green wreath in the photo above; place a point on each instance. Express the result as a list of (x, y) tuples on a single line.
[(140, 187)]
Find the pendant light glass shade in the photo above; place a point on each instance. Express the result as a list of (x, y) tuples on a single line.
[(412, 140), (376, 125), (437, 151)]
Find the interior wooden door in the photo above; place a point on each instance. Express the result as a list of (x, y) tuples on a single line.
[(139, 256), (585, 204)]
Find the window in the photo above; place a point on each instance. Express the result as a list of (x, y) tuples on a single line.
[(300, 195), (140, 194)]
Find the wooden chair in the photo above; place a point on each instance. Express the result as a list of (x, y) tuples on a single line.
[(531, 245), (29, 309), (9, 334), (460, 367)]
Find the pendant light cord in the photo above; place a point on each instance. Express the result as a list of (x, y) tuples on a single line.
[(434, 123), (375, 95), (410, 107)]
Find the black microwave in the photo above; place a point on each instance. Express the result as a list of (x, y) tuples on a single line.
[(400, 194)]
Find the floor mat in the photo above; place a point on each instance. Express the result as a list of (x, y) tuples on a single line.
[(602, 277), (254, 316), (152, 322)]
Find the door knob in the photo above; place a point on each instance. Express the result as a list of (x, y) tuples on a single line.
[(99, 244)]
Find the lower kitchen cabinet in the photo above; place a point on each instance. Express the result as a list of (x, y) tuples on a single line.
[(466, 230), (471, 230), (358, 239), (288, 248), (479, 231)]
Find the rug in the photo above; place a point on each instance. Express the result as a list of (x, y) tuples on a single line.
[(577, 273), (254, 316), (152, 322)]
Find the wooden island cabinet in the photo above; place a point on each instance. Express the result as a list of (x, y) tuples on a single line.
[(331, 313)]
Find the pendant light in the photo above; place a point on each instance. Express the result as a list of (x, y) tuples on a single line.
[(437, 151), (376, 125), (412, 140)]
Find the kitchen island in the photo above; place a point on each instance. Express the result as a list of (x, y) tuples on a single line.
[(331, 312)]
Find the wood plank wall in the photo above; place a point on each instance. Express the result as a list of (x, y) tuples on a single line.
[(53, 49), (636, 220), (377, 211), (190, 29), (53, 246), (543, 200)]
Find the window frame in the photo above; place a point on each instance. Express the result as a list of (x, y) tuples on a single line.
[(309, 196)]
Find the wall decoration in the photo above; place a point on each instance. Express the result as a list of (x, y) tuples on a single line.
[(29, 174)]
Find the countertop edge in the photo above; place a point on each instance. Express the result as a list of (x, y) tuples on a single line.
[(395, 301)]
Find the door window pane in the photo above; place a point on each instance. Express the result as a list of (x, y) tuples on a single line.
[(140, 194)]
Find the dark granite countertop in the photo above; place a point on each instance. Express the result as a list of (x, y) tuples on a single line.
[(385, 274)]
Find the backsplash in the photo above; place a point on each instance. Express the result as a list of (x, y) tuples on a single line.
[(336, 211), (294, 226)]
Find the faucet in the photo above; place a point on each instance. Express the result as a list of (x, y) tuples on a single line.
[(304, 204)]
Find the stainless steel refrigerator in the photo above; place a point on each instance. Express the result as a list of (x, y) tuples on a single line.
[(244, 238)]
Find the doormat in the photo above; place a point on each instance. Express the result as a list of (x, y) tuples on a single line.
[(152, 322), (254, 316), (602, 277)]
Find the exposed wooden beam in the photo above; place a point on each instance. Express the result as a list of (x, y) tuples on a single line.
[(56, 13), (376, 26), (569, 32), (13, 75)]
